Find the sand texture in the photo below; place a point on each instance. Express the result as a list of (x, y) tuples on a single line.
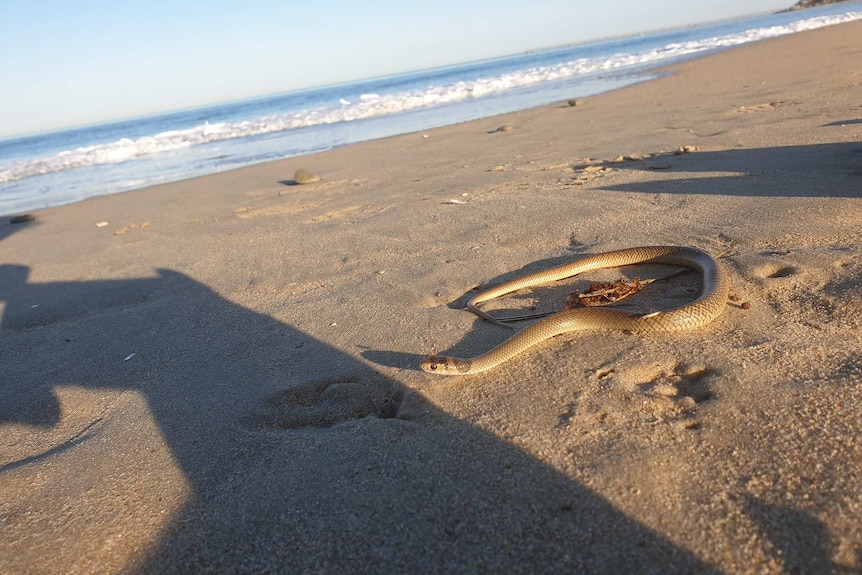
[(223, 376)]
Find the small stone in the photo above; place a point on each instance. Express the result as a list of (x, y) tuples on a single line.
[(22, 219), (305, 177), (573, 102), (685, 150), (687, 403)]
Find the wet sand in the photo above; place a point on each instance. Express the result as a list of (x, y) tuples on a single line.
[(224, 378)]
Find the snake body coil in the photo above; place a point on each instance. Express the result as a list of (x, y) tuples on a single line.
[(708, 306)]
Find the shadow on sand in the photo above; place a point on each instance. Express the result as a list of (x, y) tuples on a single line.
[(300, 458), (791, 172)]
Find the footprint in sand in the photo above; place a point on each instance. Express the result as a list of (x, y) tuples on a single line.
[(775, 271), (671, 392), (327, 403), (765, 106), (668, 380)]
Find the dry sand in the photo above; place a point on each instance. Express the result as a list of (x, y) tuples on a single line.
[(225, 377)]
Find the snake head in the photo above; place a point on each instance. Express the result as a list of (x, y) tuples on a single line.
[(445, 365)]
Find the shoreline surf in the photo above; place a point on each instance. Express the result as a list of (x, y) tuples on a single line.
[(71, 165)]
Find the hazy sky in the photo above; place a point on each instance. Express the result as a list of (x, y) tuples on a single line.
[(72, 63)]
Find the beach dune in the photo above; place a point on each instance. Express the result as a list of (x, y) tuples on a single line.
[(225, 377)]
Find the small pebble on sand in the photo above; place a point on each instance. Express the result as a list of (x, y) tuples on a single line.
[(685, 150), (303, 176)]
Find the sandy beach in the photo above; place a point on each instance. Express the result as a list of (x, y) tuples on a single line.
[(221, 375)]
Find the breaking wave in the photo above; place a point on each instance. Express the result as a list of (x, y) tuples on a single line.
[(370, 105)]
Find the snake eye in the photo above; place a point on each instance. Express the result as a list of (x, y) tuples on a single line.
[(433, 366)]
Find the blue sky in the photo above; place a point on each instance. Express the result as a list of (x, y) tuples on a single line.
[(73, 63)]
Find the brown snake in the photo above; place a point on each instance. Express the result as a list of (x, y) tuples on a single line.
[(708, 306)]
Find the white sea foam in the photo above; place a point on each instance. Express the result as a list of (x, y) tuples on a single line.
[(374, 105)]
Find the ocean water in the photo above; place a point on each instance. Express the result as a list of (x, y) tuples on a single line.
[(67, 166)]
